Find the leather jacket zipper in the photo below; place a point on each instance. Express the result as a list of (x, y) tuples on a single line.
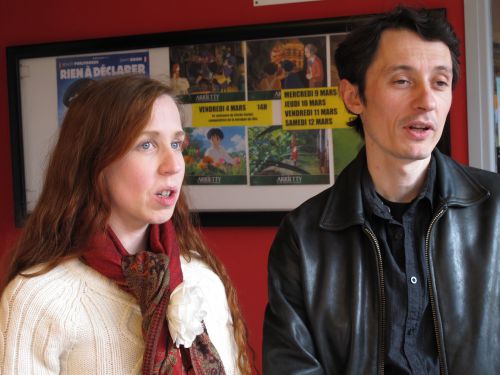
[(378, 254), (436, 217), (380, 268)]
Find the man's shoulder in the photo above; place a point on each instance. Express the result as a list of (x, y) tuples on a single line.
[(317, 201), (343, 195), (480, 180), (487, 178), (310, 211), (484, 175)]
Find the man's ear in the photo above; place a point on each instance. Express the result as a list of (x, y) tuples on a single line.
[(350, 96)]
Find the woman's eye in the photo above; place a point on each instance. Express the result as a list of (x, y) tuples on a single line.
[(146, 145), (177, 145)]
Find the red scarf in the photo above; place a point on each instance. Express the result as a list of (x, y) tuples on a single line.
[(151, 277)]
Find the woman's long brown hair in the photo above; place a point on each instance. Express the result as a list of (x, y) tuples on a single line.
[(100, 126)]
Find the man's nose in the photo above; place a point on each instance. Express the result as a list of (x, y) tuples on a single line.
[(425, 99)]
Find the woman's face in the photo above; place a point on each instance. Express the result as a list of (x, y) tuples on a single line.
[(145, 183), (215, 140)]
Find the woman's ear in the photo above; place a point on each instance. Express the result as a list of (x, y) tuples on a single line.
[(350, 96)]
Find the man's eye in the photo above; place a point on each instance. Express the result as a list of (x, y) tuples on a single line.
[(177, 145), (401, 82)]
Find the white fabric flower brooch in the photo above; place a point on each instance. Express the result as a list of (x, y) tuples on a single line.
[(185, 313)]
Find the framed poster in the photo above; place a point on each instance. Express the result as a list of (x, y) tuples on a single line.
[(266, 128)]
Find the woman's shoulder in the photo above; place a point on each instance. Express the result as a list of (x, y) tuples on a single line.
[(57, 314), (62, 275), (67, 280), (37, 280), (42, 299)]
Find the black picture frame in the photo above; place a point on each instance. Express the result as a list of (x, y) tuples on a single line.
[(15, 54)]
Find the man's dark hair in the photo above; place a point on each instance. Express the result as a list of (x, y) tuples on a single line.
[(356, 53)]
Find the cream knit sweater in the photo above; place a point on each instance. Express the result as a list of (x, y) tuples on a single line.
[(72, 320)]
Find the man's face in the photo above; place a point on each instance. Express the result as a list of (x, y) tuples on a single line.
[(407, 97)]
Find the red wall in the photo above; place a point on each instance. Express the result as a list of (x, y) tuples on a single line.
[(244, 250)]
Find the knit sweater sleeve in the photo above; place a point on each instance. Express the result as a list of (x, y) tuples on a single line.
[(69, 321), (34, 326)]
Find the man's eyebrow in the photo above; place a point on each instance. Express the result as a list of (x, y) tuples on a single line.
[(403, 67), (394, 68), (444, 68)]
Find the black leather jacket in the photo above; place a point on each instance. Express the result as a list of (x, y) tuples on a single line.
[(326, 286)]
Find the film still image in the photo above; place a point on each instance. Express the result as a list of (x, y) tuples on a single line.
[(215, 156), (208, 68), (279, 157), (276, 64)]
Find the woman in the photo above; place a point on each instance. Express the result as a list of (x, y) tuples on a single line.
[(216, 151), (110, 250)]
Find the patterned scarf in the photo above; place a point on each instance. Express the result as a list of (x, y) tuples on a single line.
[(151, 277)]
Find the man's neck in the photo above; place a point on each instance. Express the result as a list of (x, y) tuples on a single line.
[(396, 180)]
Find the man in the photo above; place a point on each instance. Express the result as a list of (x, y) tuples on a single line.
[(396, 268)]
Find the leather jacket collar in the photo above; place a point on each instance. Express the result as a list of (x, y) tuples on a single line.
[(455, 186)]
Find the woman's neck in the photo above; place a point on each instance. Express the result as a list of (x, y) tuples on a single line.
[(132, 240)]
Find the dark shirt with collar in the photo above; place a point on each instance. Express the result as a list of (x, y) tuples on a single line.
[(401, 228)]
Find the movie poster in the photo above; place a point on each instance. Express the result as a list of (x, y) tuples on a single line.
[(203, 73), (285, 63), (279, 157), (75, 73), (215, 155)]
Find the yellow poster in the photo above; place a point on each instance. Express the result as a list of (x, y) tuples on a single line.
[(239, 113), (313, 108)]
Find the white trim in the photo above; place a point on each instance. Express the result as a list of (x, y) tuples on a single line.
[(257, 3), (479, 61)]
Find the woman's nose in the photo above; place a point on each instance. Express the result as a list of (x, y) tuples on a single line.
[(172, 162)]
